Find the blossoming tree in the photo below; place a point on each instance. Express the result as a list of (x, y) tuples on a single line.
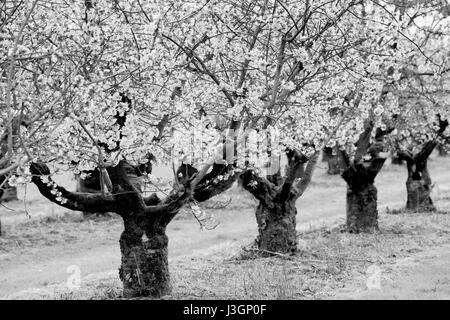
[(112, 94), (412, 84), (424, 97), (308, 75)]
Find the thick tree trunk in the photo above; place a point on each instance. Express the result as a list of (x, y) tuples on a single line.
[(362, 195), (276, 227), (418, 187), (144, 268), (362, 212)]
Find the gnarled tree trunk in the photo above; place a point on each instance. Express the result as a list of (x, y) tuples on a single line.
[(360, 174), (362, 212), (362, 196), (276, 212), (418, 186), (419, 196), (276, 226), (275, 216), (144, 268)]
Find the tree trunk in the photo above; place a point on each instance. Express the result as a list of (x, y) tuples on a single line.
[(362, 212), (418, 187), (144, 268), (276, 226)]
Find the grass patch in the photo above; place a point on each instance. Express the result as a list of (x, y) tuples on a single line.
[(52, 230)]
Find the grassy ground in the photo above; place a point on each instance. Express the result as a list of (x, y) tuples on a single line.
[(35, 253), (331, 264)]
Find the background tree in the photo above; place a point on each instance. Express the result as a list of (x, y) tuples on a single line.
[(423, 96), (291, 70), (34, 92), (103, 51), (412, 61)]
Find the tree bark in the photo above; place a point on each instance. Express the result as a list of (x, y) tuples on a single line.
[(418, 187), (419, 184), (144, 268), (277, 227), (360, 174), (276, 212), (362, 212), (362, 196)]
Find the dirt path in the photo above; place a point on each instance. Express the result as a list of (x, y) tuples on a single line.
[(425, 275)]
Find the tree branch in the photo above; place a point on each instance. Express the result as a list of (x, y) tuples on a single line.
[(70, 200)]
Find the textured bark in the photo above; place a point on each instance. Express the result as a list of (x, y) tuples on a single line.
[(276, 212), (276, 227), (419, 196), (362, 212), (360, 174), (419, 184), (418, 187), (144, 268)]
